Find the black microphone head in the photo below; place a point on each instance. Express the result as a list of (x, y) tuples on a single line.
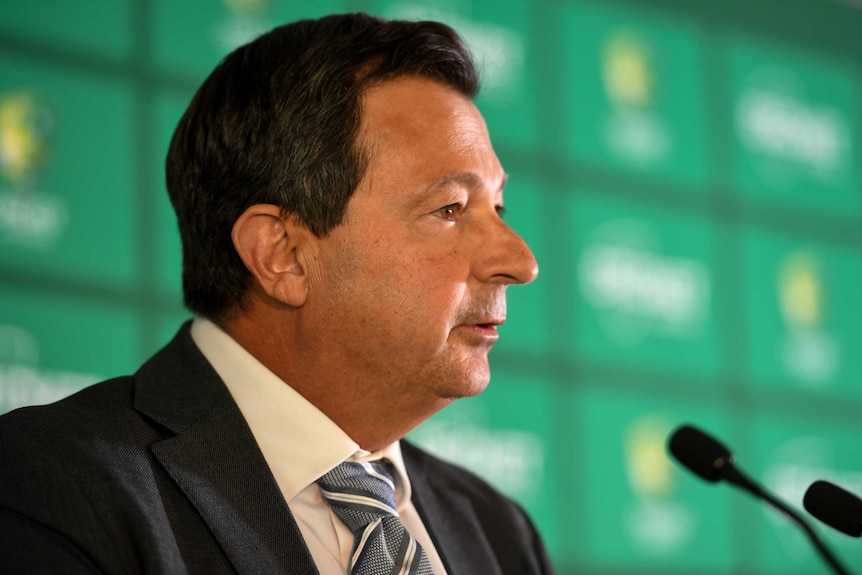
[(835, 507), (699, 452)]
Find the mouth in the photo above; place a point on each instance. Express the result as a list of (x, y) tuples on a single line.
[(491, 323), (487, 329)]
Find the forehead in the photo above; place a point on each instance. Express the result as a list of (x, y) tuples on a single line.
[(416, 129), (416, 100)]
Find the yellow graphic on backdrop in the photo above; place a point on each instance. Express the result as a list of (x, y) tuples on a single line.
[(24, 126), (29, 217), (807, 350), (628, 78), (634, 128), (800, 291), (245, 7), (649, 469), (657, 522)]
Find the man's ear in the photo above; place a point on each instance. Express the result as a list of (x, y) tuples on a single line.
[(272, 245)]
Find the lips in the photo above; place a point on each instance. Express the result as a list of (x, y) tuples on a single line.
[(489, 324), (483, 331), (484, 320)]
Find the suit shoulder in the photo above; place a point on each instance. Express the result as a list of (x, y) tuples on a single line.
[(73, 434), (58, 462), (100, 401)]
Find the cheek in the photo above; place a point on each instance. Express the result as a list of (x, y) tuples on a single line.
[(402, 281), (418, 298)]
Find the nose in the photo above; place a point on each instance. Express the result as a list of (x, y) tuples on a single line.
[(504, 257)]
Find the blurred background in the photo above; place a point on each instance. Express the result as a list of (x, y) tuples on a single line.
[(686, 171)]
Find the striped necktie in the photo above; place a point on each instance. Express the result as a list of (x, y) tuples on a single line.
[(362, 495)]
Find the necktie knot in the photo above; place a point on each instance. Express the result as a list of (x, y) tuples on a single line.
[(362, 495), (360, 492)]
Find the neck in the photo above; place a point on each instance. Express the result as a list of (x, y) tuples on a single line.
[(370, 412)]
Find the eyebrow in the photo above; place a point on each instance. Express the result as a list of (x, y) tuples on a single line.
[(466, 179)]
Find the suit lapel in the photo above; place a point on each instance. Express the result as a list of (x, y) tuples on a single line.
[(452, 523), (216, 463)]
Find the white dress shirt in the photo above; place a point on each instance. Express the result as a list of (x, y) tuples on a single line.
[(300, 443)]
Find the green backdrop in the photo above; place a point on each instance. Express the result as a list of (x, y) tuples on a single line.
[(687, 172)]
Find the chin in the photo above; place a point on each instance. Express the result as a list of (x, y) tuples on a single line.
[(472, 381)]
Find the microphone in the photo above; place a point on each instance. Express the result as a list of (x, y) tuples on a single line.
[(713, 462), (835, 507)]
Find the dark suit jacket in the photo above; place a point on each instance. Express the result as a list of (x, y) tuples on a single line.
[(159, 473)]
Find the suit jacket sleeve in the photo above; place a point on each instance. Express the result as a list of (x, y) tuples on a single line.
[(36, 538), (32, 547)]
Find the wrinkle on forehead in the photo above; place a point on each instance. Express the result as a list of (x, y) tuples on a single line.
[(469, 132)]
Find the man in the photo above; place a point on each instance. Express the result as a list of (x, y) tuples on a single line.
[(339, 205)]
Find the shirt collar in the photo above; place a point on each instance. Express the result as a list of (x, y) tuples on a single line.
[(298, 441)]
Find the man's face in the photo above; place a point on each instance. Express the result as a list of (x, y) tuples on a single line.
[(411, 288)]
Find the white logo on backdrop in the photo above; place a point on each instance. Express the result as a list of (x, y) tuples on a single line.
[(636, 289), (776, 120), (21, 380), (511, 459)]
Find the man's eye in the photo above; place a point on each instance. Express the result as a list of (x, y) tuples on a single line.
[(449, 212)]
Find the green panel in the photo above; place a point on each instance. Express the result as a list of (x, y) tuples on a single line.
[(633, 85), (796, 125), (804, 322), (169, 109), (644, 281), (526, 326), (52, 346), (66, 191), (101, 27), (505, 435), (792, 453), (637, 509), (194, 35), (498, 33)]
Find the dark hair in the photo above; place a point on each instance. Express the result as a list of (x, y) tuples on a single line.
[(277, 122)]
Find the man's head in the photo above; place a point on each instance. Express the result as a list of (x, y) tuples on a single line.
[(352, 223), (277, 123)]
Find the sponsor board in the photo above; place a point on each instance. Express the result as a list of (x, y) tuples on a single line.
[(637, 509), (802, 317), (644, 287), (29, 217), (634, 92), (793, 121)]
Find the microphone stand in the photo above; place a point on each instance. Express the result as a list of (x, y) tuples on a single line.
[(734, 475), (706, 457)]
